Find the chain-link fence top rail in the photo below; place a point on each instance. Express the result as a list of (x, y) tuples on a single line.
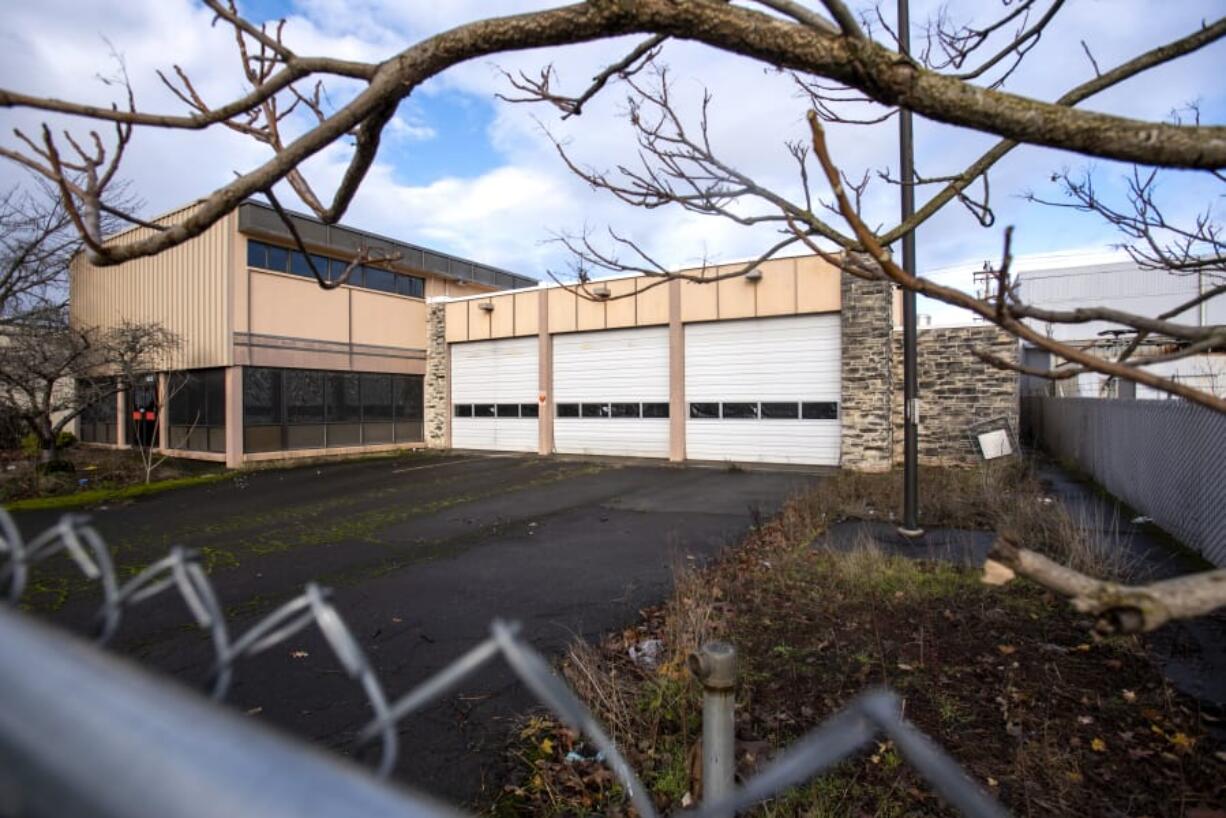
[(843, 734)]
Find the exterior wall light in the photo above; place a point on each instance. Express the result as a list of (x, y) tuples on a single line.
[(487, 306), (601, 292), (754, 275)]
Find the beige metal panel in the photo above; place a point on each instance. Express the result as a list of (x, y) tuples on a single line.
[(777, 289), (698, 301), (896, 307), (652, 301), (456, 316), (183, 288), (621, 312), (478, 321), (502, 319), (737, 295), (385, 363), (388, 320), (562, 308), (527, 312), (295, 307), (589, 313), (817, 285)]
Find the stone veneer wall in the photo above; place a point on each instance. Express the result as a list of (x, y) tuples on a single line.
[(956, 390), (867, 377), (436, 377)]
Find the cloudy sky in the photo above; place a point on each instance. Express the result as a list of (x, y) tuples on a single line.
[(463, 172)]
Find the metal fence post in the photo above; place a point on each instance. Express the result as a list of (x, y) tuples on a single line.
[(715, 667)]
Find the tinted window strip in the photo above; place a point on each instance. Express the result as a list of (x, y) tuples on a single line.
[(279, 259)]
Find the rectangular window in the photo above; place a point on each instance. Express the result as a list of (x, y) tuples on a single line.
[(278, 258), (411, 285), (298, 264), (780, 411), (740, 411), (825, 410), (321, 266), (381, 280), (304, 396), (463, 410), (257, 254), (344, 400), (594, 410), (529, 410), (704, 410), (655, 410), (377, 398), (261, 396), (508, 410), (336, 268), (408, 390), (483, 410), (568, 410), (625, 410)]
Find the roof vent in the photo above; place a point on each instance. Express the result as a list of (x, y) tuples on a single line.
[(754, 275), (488, 306)]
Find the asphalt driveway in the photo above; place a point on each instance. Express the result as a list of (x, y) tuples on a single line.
[(422, 553)]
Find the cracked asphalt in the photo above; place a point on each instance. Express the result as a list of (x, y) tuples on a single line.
[(422, 553)]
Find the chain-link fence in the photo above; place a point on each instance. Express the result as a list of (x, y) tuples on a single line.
[(84, 732), (1165, 458)]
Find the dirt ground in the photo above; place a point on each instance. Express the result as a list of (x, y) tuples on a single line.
[(93, 469), (1011, 682)]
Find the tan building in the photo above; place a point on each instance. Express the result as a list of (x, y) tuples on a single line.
[(795, 363), (271, 364)]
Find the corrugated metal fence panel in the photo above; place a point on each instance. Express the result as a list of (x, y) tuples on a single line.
[(1167, 459), (626, 365), (770, 359), (183, 288)]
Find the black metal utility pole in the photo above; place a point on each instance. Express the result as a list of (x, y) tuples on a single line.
[(906, 151)]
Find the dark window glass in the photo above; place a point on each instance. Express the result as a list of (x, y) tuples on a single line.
[(344, 404), (508, 410), (463, 410), (278, 258), (568, 410), (382, 280), (214, 396), (529, 410), (298, 264), (304, 396), (826, 410), (780, 411), (741, 411), (261, 396), (594, 410), (179, 411), (336, 268), (257, 254), (411, 285), (483, 410), (408, 396), (655, 410), (625, 410), (704, 410), (321, 266), (376, 398)]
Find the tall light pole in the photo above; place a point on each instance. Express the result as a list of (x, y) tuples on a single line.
[(906, 152)]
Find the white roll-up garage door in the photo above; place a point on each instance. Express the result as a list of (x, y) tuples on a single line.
[(764, 390), (611, 392), (495, 388)]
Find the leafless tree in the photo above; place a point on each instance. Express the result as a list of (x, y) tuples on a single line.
[(51, 371), (848, 68)]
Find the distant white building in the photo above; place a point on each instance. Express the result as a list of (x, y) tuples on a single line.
[(1065, 282)]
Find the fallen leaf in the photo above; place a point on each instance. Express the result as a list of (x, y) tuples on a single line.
[(298, 654), (1085, 719), (992, 782), (547, 746), (1182, 741), (905, 666), (1082, 648), (1129, 696), (1098, 745), (996, 573), (1006, 650)]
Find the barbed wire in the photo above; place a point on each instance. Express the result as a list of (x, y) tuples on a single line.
[(847, 732)]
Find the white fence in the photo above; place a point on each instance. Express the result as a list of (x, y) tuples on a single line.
[(1166, 459)]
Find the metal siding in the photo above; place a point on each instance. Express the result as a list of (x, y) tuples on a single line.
[(502, 371), (772, 359), (184, 288), (628, 365)]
